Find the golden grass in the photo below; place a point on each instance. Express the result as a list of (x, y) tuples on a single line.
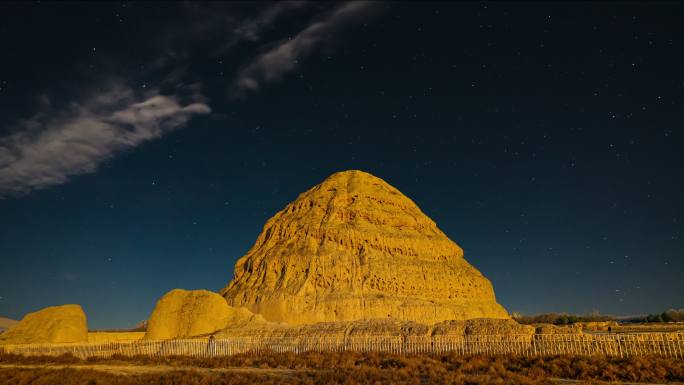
[(114, 336)]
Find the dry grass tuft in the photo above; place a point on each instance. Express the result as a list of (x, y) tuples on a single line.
[(352, 368)]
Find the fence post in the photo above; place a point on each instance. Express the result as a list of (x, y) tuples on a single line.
[(612, 345)]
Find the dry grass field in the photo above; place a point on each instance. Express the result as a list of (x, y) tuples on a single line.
[(337, 368), (114, 336)]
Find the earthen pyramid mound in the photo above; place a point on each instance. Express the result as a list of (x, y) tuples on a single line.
[(353, 248), (57, 324), (6, 323), (190, 313)]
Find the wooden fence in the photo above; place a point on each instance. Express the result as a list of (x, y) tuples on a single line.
[(616, 345)]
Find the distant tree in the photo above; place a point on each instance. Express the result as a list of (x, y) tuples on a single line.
[(560, 319), (674, 315)]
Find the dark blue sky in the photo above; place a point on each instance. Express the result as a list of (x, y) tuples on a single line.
[(143, 146)]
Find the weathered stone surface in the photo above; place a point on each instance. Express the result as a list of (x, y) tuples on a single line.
[(379, 328), (555, 329), (482, 326), (57, 324), (598, 325), (182, 314), (355, 248)]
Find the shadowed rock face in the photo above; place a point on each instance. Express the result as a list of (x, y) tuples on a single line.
[(352, 248), (57, 324)]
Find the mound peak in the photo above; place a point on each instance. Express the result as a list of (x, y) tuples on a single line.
[(353, 247)]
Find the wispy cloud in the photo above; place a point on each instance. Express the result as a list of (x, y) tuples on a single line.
[(251, 29), (272, 64), (206, 21), (55, 145), (51, 147)]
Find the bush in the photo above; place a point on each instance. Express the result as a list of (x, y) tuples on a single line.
[(559, 318), (671, 315)]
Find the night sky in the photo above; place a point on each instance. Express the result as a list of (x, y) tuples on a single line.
[(143, 146)]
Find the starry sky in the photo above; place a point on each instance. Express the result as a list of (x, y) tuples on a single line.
[(144, 145)]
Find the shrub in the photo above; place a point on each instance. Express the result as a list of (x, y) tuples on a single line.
[(350, 368), (560, 318)]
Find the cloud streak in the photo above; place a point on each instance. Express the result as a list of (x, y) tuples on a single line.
[(55, 145), (251, 29), (49, 148), (272, 64)]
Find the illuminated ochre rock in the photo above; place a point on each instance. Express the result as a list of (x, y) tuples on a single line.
[(6, 323), (354, 248), (57, 324), (379, 328), (190, 313)]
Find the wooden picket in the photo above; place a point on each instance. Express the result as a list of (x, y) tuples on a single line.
[(616, 345)]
